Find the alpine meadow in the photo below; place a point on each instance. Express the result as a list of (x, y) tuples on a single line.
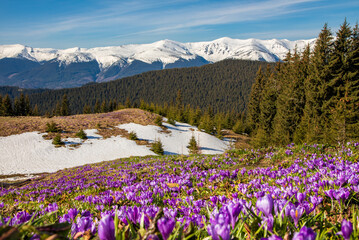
[(225, 139)]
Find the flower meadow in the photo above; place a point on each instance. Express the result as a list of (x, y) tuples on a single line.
[(296, 192)]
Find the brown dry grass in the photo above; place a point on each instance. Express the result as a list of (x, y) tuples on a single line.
[(241, 141), (105, 123)]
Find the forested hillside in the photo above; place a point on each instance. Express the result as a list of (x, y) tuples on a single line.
[(312, 97), (223, 86)]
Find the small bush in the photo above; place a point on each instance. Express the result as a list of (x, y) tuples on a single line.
[(57, 140), (193, 146), (133, 136), (157, 147), (52, 127), (171, 121), (158, 121), (81, 134)]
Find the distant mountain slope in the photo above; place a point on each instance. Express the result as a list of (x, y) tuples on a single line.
[(29, 67), (223, 86)]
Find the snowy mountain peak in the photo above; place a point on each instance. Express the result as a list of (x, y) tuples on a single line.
[(29, 67), (165, 51)]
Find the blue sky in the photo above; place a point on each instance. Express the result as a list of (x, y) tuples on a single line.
[(94, 23)]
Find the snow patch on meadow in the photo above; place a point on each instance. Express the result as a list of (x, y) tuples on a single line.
[(29, 152), (178, 137)]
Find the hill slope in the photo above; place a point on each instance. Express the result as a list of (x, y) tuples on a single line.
[(225, 86)]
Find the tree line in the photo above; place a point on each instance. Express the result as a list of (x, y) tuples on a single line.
[(225, 86), (312, 96), (19, 107)]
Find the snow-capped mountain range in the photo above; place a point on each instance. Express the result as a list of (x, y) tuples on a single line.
[(53, 68)]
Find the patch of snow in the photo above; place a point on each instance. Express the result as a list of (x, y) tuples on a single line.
[(29, 153), (176, 141)]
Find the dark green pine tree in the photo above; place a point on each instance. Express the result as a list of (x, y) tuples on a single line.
[(281, 121), (35, 111), (252, 119), (7, 106), (1, 107), (353, 87), (193, 147), (304, 70), (267, 108), (87, 109), (65, 107), (206, 123), (313, 120), (338, 92), (104, 107), (97, 107), (27, 106), (17, 107)]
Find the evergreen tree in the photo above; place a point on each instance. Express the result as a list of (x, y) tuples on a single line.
[(353, 85), (97, 108), (206, 123), (57, 111), (313, 120), (35, 111), (193, 146), (104, 108), (27, 107), (65, 107), (338, 100), (253, 112), (267, 109), (7, 106), (157, 147), (1, 106), (87, 109), (17, 107)]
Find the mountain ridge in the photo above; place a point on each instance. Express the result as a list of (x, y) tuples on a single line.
[(76, 66)]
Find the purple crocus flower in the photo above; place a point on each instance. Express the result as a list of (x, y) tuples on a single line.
[(2, 204), (265, 205), (234, 210), (153, 237), (219, 230), (296, 213), (166, 226), (73, 213), (305, 234), (300, 197), (106, 228), (346, 230)]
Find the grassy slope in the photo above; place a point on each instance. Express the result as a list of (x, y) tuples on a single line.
[(72, 124)]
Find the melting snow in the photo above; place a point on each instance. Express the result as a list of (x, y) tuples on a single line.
[(30, 153)]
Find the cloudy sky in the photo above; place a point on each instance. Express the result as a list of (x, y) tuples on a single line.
[(95, 23)]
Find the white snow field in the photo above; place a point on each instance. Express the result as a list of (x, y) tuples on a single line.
[(30, 153)]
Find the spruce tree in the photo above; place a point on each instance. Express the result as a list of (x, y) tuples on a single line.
[(17, 107), (338, 85), (267, 110), (104, 107), (97, 107), (192, 146), (87, 109), (313, 120), (35, 111), (65, 107), (7, 106), (1, 106), (27, 108), (353, 85), (253, 112)]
